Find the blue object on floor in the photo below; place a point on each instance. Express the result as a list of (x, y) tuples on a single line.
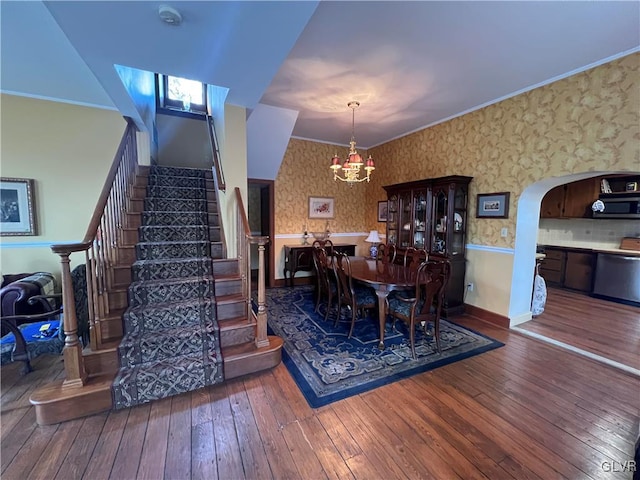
[(38, 342)]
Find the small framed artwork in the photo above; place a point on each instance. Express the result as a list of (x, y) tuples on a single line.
[(493, 205), (383, 210), (632, 187), (321, 207), (17, 207)]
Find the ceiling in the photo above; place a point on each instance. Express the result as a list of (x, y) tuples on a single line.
[(410, 64)]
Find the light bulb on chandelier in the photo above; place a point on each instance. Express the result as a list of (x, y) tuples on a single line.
[(352, 165)]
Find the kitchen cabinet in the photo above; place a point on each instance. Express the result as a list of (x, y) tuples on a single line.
[(567, 268), (432, 214), (552, 267), (572, 200), (578, 273)]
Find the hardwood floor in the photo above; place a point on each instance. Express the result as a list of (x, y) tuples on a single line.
[(526, 410), (601, 327)]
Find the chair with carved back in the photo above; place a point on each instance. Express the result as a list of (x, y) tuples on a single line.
[(413, 257), (424, 304), (356, 298), (326, 286), (326, 244), (386, 253)]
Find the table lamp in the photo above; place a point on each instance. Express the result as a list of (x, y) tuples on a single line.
[(374, 239)]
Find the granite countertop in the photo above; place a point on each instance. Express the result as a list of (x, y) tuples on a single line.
[(583, 248)]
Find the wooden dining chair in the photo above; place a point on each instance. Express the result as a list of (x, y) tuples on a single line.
[(326, 244), (386, 253), (413, 257), (424, 305), (356, 298), (326, 286)]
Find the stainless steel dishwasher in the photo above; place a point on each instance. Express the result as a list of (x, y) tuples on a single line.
[(618, 276)]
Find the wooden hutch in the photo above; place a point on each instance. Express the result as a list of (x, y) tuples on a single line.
[(432, 214)]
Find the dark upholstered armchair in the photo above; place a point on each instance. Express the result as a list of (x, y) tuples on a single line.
[(27, 298), (18, 289), (27, 301)]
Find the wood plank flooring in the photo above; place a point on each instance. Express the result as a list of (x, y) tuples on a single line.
[(528, 410), (601, 327)]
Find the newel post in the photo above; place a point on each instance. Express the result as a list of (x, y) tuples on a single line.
[(261, 330), (75, 374)]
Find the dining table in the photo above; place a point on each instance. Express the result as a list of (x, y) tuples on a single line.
[(383, 277)]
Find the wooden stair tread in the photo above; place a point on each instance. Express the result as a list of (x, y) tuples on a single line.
[(231, 298), (55, 403), (54, 391), (245, 350), (237, 322), (246, 358), (227, 277)]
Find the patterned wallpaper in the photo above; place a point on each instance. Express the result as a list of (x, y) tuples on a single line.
[(587, 122), (305, 172)]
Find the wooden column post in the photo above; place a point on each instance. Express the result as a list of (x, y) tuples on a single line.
[(261, 330), (76, 375)]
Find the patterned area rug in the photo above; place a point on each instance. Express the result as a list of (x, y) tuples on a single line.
[(327, 366)]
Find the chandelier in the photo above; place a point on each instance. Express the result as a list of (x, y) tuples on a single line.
[(352, 165)]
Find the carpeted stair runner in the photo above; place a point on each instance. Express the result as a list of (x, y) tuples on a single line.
[(172, 340)]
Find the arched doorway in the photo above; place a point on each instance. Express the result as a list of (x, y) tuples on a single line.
[(527, 224), (566, 324)]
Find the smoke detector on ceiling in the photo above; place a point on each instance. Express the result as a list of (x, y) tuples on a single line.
[(169, 15)]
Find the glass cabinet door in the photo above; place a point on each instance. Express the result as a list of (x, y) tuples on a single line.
[(420, 219), (392, 219), (405, 232), (439, 226)]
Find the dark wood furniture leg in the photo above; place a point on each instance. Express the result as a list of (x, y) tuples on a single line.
[(382, 293)]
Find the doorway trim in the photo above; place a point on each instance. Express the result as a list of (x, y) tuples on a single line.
[(270, 186)]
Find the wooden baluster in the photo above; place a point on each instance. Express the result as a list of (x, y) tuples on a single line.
[(93, 328)]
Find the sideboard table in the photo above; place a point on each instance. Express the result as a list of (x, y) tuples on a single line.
[(300, 258)]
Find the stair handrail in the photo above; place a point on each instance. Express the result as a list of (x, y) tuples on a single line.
[(218, 173), (245, 239), (218, 179), (100, 245)]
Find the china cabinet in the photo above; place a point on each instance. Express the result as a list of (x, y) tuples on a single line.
[(432, 214)]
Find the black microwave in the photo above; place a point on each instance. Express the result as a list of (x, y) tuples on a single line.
[(619, 207)]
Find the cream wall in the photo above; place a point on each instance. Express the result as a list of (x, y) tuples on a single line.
[(233, 159), (587, 122), (67, 150), (183, 142)]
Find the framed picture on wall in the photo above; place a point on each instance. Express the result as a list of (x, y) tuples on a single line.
[(382, 211), (493, 205), (17, 208), (321, 207)]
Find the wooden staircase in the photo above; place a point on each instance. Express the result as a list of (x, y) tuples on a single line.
[(245, 346)]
